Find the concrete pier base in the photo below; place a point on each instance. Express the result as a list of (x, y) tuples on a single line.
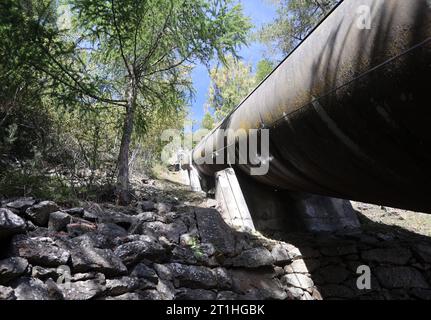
[(281, 210), (324, 214)]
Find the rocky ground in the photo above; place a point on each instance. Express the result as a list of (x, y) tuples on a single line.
[(173, 244), (416, 222), (154, 249)]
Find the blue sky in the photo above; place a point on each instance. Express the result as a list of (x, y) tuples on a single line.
[(260, 12)]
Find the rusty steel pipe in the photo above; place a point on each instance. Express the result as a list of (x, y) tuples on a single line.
[(348, 110)]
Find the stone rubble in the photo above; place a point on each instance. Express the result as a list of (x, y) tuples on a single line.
[(39, 213), (10, 223), (162, 250), (12, 268)]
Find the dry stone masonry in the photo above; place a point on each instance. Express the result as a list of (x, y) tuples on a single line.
[(167, 250)]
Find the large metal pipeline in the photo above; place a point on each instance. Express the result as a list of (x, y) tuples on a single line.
[(348, 110)]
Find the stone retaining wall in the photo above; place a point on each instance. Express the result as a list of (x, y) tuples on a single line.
[(169, 250)]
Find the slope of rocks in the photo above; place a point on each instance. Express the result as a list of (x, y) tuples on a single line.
[(154, 250), (171, 246)]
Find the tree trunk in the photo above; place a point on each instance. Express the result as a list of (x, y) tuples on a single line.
[(123, 185)]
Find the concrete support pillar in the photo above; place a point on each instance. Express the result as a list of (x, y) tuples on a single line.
[(230, 198), (186, 163), (195, 182)]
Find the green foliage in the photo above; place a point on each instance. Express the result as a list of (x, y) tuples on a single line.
[(150, 42), (295, 19), (208, 121), (194, 244), (26, 181), (142, 51), (40, 146), (148, 146), (21, 113), (91, 135), (264, 67), (66, 88), (229, 85)]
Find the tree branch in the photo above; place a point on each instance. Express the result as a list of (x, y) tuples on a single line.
[(137, 28), (167, 68), (80, 88), (155, 44), (120, 40)]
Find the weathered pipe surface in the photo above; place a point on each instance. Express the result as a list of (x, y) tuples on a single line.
[(349, 109)]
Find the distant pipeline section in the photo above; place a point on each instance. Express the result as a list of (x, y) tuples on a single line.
[(348, 111)]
